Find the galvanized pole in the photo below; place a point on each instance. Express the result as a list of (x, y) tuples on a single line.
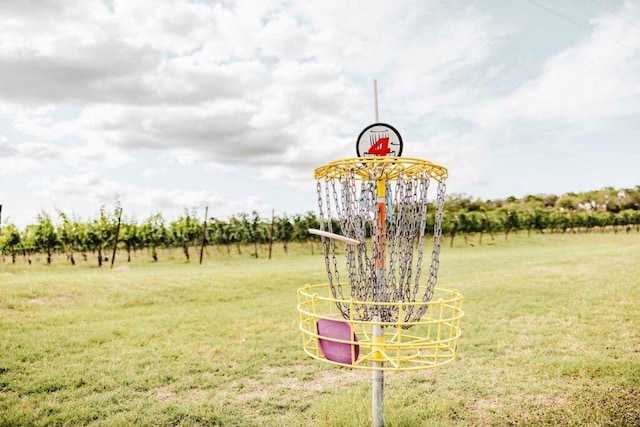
[(377, 376), (375, 99)]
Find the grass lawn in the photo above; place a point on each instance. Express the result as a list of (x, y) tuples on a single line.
[(551, 336)]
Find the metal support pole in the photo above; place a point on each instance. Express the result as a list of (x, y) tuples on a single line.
[(375, 98), (377, 382), (377, 375)]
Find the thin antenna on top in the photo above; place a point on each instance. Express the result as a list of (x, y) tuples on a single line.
[(375, 98)]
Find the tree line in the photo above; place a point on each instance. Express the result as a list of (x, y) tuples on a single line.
[(609, 209), (64, 234)]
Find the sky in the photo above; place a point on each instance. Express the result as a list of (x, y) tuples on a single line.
[(231, 105)]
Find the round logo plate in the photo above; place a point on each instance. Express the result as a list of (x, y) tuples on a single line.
[(379, 139)]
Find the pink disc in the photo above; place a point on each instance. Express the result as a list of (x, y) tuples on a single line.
[(337, 351)]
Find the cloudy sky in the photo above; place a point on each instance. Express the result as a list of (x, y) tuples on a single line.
[(232, 104)]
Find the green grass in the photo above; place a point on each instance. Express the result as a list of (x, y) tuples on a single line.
[(551, 336)]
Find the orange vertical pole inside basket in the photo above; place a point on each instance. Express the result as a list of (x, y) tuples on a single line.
[(382, 229)]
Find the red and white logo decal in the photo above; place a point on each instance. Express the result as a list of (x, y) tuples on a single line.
[(379, 139)]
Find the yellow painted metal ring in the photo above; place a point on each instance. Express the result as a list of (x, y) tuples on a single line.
[(381, 168)]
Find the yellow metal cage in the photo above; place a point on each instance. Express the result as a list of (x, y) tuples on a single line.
[(428, 342)]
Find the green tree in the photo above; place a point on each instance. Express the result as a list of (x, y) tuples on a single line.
[(255, 232), (528, 220), (510, 222), (592, 220), (613, 221), (631, 199), (185, 231), (284, 232), (466, 225), (300, 233), (301, 225), (130, 236), (238, 227), (635, 220), (450, 225), (154, 234), (625, 218), (101, 233), (577, 220), (484, 226), (28, 241), (568, 202), (84, 239), (10, 241), (540, 220), (46, 239), (69, 233), (563, 221), (219, 233), (599, 220)]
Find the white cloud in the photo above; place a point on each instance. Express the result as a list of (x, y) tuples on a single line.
[(139, 201), (39, 156), (597, 79), (173, 26), (278, 88), (269, 84)]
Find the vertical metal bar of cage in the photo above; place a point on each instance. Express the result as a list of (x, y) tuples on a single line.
[(439, 333)]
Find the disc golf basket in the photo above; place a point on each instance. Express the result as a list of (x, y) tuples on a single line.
[(379, 309)]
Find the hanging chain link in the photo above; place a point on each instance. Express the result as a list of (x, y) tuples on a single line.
[(389, 268), (435, 254)]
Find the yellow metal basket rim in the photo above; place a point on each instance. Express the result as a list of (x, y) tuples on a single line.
[(445, 297), (380, 167)]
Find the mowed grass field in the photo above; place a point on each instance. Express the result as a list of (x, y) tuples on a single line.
[(551, 336)]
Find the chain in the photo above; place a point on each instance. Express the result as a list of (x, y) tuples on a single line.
[(398, 251), (394, 217), (366, 263), (324, 242), (435, 254), (406, 238), (437, 234), (329, 245), (330, 227), (348, 195), (424, 187)]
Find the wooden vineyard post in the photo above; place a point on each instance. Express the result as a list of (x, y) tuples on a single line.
[(273, 215), (115, 243), (204, 233)]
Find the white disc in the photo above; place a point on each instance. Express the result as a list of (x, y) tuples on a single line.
[(344, 239)]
